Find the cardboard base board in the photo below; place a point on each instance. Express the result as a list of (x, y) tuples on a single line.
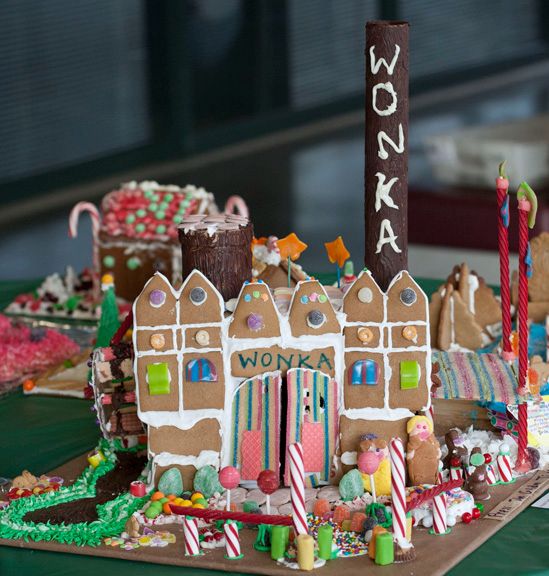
[(435, 555)]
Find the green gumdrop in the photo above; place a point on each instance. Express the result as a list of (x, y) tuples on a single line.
[(250, 506), (72, 302), (351, 485), (477, 459), (206, 481), (152, 512), (202, 501), (171, 482), (156, 505), (163, 500)]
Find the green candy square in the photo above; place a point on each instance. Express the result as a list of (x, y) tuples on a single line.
[(409, 374), (158, 379)]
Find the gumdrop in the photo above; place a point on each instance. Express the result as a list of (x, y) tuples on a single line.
[(206, 481), (171, 482), (341, 513), (351, 485)]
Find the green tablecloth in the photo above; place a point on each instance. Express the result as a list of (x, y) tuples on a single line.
[(42, 433)]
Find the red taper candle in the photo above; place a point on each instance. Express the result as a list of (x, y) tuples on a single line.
[(527, 206), (502, 187)]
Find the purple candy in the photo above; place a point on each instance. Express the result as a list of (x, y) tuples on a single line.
[(157, 297), (255, 322)]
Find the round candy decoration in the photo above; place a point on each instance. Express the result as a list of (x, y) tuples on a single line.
[(475, 513), (487, 458), (466, 517), (365, 335), (315, 318), (109, 261), (365, 295), (268, 481), (408, 296), (157, 298), (455, 462), (409, 333), (133, 263), (157, 341), (229, 477), (255, 322), (198, 296), (202, 337)]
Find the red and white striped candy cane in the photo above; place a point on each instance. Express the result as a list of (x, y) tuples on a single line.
[(238, 203), (398, 488), (504, 469), (232, 541), (440, 525), (456, 473), (92, 210), (297, 488), (190, 531), (491, 475)]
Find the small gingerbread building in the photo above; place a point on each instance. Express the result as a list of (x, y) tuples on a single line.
[(237, 389)]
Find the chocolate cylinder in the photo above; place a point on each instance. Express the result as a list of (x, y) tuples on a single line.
[(220, 247), (279, 541), (386, 150)]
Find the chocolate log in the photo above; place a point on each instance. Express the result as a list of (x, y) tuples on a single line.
[(386, 150), (221, 248)]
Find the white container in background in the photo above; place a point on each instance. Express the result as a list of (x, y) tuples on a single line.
[(471, 157)]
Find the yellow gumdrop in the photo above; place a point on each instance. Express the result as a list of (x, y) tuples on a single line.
[(196, 496), (200, 506)]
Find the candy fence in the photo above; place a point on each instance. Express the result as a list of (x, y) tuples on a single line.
[(245, 517)]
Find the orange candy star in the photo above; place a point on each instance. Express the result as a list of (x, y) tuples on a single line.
[(337, 251), (291, 247)]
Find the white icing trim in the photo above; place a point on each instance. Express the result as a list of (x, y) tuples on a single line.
[(387, 414), (205, 458)]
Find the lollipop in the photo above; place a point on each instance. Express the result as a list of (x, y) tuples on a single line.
[(368, 463), (229, 478), (268, 482)]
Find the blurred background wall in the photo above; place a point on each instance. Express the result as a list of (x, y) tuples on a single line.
[(261, 98)]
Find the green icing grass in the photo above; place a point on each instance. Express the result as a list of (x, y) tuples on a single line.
[(112, 515)]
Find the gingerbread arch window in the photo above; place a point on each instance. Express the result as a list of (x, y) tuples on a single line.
[(364, 372), (200, 370)]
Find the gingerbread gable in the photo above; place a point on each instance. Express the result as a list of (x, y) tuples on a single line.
[(255, 315), (311, 312), (364, 300)]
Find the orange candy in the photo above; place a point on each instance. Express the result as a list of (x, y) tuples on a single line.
[(171, 497), (166, 508), (157, 496), (321, 507), (28, 385), (341, 513), (357, 521)]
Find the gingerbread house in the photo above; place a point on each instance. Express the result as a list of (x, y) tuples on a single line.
[(237, 389)]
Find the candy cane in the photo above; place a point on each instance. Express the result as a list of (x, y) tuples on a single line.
[(92, 210), (456, 473), (190, 531), (297, 488), (238, 203), (491, 475), (398, 488), (504, 469), (440, 526), (232, 541)]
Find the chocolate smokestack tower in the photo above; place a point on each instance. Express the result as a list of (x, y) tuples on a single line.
[(220, 247), (386, 150)]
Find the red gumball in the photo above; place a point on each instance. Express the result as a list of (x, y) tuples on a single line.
[(229, 477), (487, 458), (268, 481), (466, 517), (476, 513), (455, 462)]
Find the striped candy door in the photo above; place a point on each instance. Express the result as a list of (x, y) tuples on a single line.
[(312, 419), (255, 434)]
